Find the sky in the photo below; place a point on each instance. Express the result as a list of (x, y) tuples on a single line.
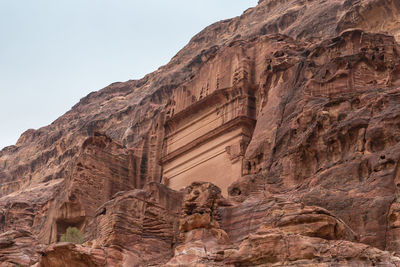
[(52, 53)]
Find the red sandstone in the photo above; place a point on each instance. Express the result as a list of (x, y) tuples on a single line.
[(270, 139)]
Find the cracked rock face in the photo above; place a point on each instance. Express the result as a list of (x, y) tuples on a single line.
[(321, 176), (19, 248)]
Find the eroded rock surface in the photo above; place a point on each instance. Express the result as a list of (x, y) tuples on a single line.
[(320, 166), (19, 248)]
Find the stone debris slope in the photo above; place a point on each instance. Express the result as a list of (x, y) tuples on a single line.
[(320, 177)]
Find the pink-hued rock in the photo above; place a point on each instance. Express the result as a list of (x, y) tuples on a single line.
[(318, 84), (19, 248)]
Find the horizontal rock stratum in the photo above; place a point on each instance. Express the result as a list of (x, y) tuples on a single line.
[(270, 139)]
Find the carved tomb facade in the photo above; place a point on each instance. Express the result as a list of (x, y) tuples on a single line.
[(206, 141)]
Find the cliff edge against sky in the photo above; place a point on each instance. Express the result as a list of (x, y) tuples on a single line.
[(308, 108)]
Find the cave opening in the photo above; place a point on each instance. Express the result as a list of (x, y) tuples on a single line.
[(63, 224)]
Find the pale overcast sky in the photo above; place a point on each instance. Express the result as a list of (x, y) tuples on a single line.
[(52, 53)]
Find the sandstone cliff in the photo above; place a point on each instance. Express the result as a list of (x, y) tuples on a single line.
[(320, 175)]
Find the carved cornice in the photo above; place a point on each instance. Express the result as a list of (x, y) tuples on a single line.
[(240, 121)]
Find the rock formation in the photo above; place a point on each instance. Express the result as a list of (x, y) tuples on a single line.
[(282, 129)]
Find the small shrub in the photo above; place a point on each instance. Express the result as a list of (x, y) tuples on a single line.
[(72, 235)]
